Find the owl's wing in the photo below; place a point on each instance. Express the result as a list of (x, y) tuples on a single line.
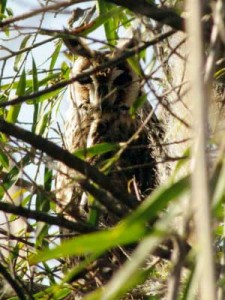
[(68, 191)]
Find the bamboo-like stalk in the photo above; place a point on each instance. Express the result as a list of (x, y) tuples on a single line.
[(200, 189)]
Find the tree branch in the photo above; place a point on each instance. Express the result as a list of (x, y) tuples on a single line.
[(44, 217), (69, 160), (164, 15), (108, 201)]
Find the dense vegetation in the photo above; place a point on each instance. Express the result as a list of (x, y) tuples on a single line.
[(181, 254)]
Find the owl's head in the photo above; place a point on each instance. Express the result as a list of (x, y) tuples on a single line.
[(110, 89)]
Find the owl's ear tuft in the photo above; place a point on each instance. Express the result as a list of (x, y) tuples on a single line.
[(77, 46)]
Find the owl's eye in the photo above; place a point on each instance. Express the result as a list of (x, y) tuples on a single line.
[(123, 79), (84, 106), (85, 80), (121, 108), (124, 107)]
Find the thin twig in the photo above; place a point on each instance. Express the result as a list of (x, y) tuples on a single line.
[(14, 53), (44, 217), (38, 11)]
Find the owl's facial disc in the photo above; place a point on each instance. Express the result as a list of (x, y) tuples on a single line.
[(113, 89)]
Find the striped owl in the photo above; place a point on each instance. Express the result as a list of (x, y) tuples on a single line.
[(99, 112)]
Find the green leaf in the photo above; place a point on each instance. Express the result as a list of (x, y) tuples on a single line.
[(55, 292), (94, 213), (137, 104), (48, 270), (49, 95), (220, 73), (127, 231), (86, 244), (83, 245), (34, 76), (217, 185), (3, 6), (20, 91), (19, 56), (42, 124), (9, 11), (14, 110), (102, 18), (35, 89), (55, 55), (40, 234), (9, 179), (43, 205), (48, 179), (181, 164), (4, 161), (65, 70), (98, 149), (134, 63), (111, 25)]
